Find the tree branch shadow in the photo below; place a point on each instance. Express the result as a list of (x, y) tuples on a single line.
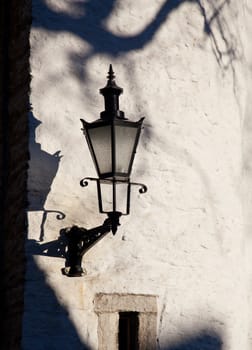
[(89, 26)]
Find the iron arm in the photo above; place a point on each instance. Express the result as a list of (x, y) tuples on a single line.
[(80, 240)]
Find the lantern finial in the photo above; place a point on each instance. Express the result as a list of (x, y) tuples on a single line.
[(111, 74), (111, 93)]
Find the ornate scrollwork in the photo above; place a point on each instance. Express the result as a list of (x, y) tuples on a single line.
[(143, 188), (60, 216), (84, 182)]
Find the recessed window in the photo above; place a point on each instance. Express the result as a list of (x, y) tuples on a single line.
[(126, 321), (128, 331)]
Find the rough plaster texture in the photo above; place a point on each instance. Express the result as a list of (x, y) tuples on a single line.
[(186, 67)]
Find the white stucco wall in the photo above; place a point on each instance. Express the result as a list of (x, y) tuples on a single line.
[(185, 66)]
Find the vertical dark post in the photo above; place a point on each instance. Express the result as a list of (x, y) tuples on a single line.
[(15, 20), (114, 195)]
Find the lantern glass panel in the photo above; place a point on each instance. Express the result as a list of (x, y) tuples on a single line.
[(100, 138), (114, 197), (125, 138)]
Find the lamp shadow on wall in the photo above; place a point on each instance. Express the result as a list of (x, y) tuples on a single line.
[(202, 340), (46, 322), (43, 168)]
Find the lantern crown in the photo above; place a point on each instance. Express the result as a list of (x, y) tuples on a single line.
[(111, 93)]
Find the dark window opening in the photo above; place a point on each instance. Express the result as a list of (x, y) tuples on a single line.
[(128, 331)]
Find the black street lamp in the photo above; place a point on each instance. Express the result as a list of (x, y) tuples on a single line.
[(112, 141)]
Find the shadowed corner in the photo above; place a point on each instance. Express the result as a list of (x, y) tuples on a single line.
[(43, 168), (205, 340), (46, 322)]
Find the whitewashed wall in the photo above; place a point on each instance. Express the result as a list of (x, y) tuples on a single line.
[(185, 66)]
